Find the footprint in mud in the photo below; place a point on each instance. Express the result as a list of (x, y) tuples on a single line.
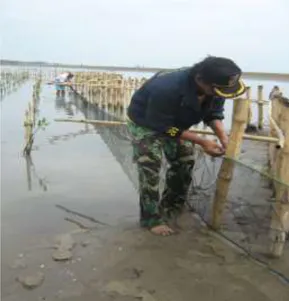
[(65, 244), (31, 281)]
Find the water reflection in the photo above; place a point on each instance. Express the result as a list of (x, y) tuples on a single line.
[(32, 174), (68, 136), (61, 104), (116, 137)]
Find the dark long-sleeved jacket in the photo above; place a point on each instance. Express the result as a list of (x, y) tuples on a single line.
[(168, 103)]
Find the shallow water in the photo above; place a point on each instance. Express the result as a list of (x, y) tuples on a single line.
[(72, 167)]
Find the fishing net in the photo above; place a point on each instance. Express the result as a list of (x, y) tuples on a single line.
[(247, 218)]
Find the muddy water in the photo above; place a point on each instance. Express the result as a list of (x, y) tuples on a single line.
[(71, 166)]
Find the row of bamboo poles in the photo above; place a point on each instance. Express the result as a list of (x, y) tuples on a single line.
[(108, 91), (10, 80), (30, 118)]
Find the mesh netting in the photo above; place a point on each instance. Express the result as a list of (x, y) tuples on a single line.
[(250, 207)]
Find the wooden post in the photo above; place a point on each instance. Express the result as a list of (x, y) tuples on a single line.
[(272, 150), (89, 92), (114, 94), (227, 167), (280, 218), (28, 171), (118, 93), (28, 132), (233, 110), (108, 95), (260, 107), (33, 109), (248, 96)]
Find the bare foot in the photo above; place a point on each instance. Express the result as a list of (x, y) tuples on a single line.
[(162, 230)]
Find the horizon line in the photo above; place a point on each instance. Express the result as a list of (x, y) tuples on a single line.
[(247, 74)]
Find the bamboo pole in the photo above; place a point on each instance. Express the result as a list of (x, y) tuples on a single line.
[(278, 132), (249, 96), (260, 107), (280, 217), (227, 167), (273, 133), (28, 132), (119, 84), (276, 110), (233, 110), (28, 172), (97, 122), (108, 95), (272, 140)]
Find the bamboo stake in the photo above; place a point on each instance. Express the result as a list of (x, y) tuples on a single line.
[(28, 132), (273, 133), (276, 110), (227, 167), (233, 110), (278, 132), (109, 98), (280, 218), (114, 97), (248, 96), (28, 172), (118, 93), (260, 107)]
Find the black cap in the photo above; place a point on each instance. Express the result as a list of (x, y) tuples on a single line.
[(224, 75)]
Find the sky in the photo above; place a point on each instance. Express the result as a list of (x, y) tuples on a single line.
[(155, 33)]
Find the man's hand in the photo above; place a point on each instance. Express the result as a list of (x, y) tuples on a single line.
[(212, 148), (218, 127), (224, 141)]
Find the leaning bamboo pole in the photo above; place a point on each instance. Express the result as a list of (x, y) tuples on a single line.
[(226, 171), (272, 140), (28, 131), (249, 96), (275, 114), (278, 132), (260, 107)]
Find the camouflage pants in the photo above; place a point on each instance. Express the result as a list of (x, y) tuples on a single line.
[(148, 150)]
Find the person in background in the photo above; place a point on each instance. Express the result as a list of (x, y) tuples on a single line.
[(275, 92), (62, 81), (159, 117)]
